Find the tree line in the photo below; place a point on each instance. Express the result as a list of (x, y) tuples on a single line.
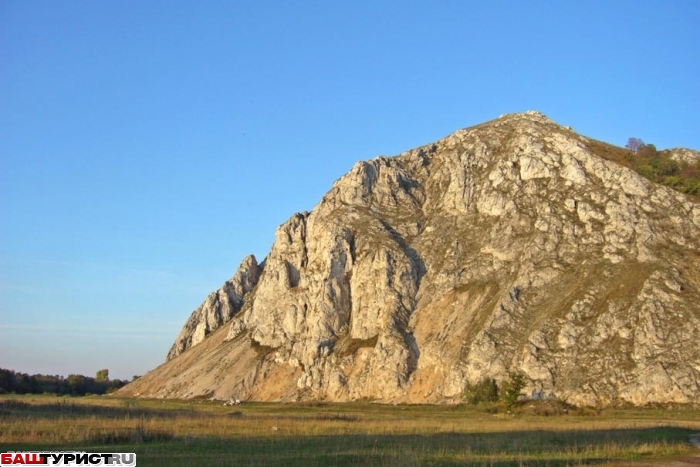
[(73, 385)]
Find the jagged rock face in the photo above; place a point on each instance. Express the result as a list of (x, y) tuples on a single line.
[(219, 307), (509, 246)]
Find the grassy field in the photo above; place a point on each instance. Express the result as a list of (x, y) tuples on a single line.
[(204, 433)]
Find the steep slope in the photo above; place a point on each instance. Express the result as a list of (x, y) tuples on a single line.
[(509, 246)]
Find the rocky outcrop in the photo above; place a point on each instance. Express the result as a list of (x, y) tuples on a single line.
[(514, 245), (219, 307), (684, 155)]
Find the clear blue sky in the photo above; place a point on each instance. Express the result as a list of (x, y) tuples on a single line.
[(147, 147)]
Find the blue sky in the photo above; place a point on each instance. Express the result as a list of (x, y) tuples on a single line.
[(147, 147)]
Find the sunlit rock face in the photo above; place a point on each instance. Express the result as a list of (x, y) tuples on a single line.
[(515, 245)]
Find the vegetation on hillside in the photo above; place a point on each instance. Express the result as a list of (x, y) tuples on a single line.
[(657, 166)]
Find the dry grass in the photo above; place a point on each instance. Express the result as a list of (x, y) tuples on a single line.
[(206, 433), (348, 346), (613, 153)]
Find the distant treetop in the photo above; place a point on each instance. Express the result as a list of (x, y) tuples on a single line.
[(634, 144)]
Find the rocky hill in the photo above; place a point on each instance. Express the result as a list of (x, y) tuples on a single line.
[(514, 245)]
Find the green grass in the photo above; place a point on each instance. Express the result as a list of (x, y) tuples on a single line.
[(183, 433)]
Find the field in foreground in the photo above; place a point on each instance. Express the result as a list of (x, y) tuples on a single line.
[(204, 433)]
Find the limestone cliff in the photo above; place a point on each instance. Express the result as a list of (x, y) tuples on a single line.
[(511, 245), (218, 308)]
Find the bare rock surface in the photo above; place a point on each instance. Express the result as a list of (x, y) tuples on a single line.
[(219, 307), (688, 156), (514, 245)]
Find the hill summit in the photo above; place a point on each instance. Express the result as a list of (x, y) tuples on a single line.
[(516, 245)]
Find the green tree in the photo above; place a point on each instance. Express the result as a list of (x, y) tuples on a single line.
[(77, 384), (485, 390), (510, 392), (646, 151), (102, 376)]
